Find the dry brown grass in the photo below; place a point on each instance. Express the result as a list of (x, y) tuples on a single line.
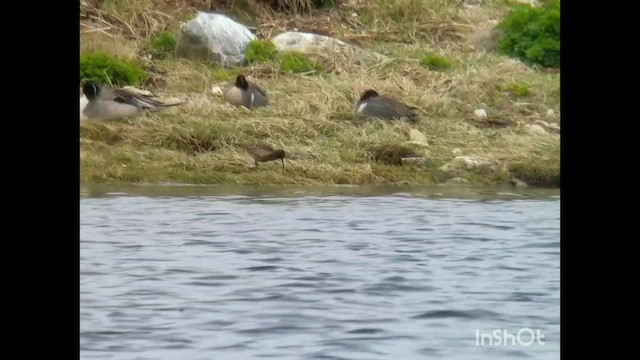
[(311, 118)]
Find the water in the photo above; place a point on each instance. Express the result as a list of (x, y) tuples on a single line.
[(204, 273)]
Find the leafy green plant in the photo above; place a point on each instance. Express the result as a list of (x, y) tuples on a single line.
[(298, 63), (106, 69), (259, 50), (162, 45), (435, 62), (532, 34)]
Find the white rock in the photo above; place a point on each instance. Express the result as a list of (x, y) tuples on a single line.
[(549, 127), (518, 183), (480, 113), (413, 160), (307, 43), (216, 90), (466, 163), (550, 113), (537, 129), (214, 37), (416, 143), (417, 136)]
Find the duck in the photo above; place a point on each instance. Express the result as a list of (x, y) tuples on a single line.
[(374, 105), (265, 153), (108, 103), (244, 93)]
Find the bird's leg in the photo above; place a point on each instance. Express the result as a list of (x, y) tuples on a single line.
[(256, 164), (282, 164)]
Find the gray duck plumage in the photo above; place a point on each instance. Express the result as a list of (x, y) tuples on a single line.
[(244, 93), (108, 103), (374, 105)]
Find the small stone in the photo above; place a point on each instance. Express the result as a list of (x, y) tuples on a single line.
[(416, 143), (216, 90), (466, 163), (413, 160), (549, 127), (417, 136), (480, 113), (517, 183), (550, 113), (537, 130)]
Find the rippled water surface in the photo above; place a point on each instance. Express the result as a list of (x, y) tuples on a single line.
[(200, 274)]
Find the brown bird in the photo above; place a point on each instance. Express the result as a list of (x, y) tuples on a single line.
[(264, 153), (372, 104)]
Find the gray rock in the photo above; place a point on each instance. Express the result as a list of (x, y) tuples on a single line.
[(417, 136), (517, 183), (465, 163), (413, 160), (416, 143), (550, 127), (307, 43), (480, 113), (214, 37), (537, 129)]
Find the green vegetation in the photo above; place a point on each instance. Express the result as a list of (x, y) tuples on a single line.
[(435, 62), (532, 34), (259, 51), (298, 63), (106, 69), (518, 90), (163, 45)]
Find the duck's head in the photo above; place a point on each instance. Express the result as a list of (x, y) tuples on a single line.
[(90, 90), (241, 82), (368, 94)]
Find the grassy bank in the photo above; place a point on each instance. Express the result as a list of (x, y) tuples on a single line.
[(310, 116)]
